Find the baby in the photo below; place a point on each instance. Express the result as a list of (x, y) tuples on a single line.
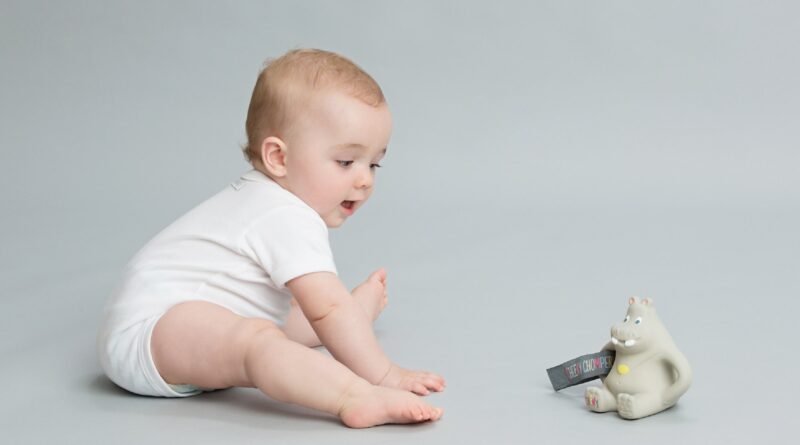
[(234, 292)]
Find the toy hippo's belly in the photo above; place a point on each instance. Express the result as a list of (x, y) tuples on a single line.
[(630, 378)]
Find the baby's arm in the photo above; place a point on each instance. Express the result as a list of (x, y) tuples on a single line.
[(344, 328), (370, 295)]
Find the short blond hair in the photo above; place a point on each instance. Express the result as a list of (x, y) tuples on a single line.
[(286, 82)]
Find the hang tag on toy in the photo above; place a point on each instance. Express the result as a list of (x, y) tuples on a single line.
[(582, 369)]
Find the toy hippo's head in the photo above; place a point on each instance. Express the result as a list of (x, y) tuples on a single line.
[(640, 329)]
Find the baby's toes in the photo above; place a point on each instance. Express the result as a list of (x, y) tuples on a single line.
[(430, 412), (420, 412), (378, 277)]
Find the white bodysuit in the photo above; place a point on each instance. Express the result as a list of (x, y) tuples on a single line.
[(237, 249)]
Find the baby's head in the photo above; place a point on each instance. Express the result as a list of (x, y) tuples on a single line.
[(318, 125)]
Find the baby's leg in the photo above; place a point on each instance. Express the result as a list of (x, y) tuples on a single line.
[(206, 345), (370, 295)]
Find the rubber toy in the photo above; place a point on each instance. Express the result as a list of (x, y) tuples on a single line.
[(649, 373)]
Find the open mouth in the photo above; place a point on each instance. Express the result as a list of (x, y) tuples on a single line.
[(348, 207), (628, 343)]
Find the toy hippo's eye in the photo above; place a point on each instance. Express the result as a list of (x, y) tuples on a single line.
[(638, 320), (627, 317)]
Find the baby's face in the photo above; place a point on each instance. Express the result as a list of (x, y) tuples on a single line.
[(333, 152)]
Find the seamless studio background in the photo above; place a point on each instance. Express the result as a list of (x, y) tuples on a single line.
[(549, 160)]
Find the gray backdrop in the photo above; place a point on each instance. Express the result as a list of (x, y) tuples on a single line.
[(549, 160)]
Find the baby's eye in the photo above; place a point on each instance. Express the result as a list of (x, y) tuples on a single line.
[(374, 166), (627, 317), (638, 320), (345, 163)]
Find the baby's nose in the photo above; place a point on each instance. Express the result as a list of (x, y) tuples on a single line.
[(364, 180)]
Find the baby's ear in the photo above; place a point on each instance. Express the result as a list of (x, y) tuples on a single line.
[(647, 301), (633, 300), (273, 156)]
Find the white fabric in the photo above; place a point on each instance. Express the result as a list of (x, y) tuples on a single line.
[(237, 249)]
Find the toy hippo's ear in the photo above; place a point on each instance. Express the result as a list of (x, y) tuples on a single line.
[(647, 301), (633, 300)]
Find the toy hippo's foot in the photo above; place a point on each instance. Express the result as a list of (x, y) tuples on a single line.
[(638, 406), (626, 406), (600, 400)]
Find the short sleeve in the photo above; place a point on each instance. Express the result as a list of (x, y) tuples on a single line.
[(289, 242)]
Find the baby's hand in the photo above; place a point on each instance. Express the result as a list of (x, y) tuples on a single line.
[(418, 382), (371, 294)]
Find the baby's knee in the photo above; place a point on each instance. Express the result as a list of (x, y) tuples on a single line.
[(250, 331), (257, 339)]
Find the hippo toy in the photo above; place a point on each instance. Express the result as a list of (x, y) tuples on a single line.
[(649, 373)]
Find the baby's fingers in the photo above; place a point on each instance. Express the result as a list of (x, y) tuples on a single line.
[(431, 381), (419, 389), (428, 381)]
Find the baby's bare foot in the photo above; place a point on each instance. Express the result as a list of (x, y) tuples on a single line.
[(371, 294), (374, 405)]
